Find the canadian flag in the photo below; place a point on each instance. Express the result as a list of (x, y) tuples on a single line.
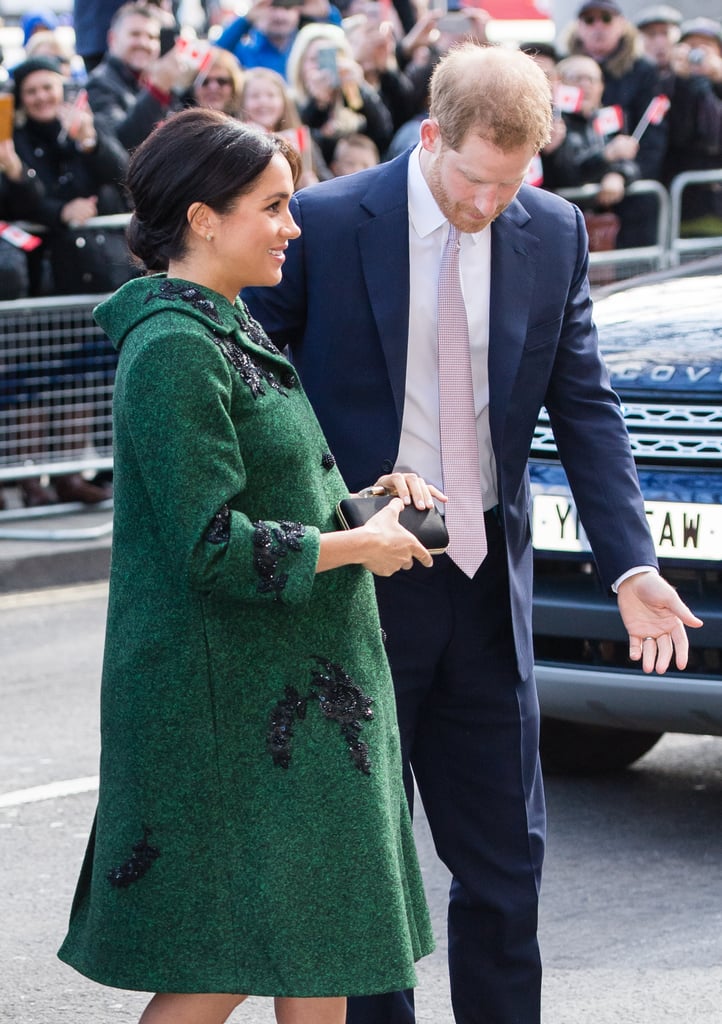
[(609, 120), (657, 109), (198, 54), (568, 98), (18, 237)]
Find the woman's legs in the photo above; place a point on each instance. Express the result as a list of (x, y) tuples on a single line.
[(310, 1011), (185, 1008), (216, 1008)]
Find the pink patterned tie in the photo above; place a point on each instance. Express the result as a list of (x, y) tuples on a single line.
[(464, 512)]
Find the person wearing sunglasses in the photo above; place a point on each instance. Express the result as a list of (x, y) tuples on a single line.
[(631, 81), (220, 88)]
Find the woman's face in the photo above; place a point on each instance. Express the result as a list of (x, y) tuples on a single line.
[(41, 94), (250, 241), (215, 90), (263, 104)]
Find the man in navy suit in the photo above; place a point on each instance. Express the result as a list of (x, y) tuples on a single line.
[(358, 309)]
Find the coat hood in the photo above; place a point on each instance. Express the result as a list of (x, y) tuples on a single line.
[(619, 62), (145, 297)]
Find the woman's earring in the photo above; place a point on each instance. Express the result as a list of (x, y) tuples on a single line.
[(209, 237)]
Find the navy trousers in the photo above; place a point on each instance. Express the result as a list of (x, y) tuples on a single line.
[(470, 731)]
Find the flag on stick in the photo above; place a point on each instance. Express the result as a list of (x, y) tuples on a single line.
[(609, 120), (654, 114)]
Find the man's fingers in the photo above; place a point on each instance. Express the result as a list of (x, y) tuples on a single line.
[(657, 652)]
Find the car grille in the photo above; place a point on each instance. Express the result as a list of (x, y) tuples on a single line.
[(677, 433)]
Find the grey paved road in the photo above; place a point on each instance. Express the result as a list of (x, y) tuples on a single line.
[(631, 924)]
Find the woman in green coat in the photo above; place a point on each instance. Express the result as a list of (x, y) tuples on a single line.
[(252, 834)]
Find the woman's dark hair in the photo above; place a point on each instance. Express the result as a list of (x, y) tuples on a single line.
[(194, 156)]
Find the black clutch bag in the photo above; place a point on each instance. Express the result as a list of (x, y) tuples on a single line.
[(426, 524)]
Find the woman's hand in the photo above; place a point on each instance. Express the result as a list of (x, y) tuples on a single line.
[(10, 163), (382, 545), (78, 124), (320, 86), (77, 211), (386, 545)]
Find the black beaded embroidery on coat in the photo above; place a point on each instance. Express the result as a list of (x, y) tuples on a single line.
[(328, 461), (272, 543), (255, 332), (188, 293), (340, 700), (137, 865), (251, 372), (219, 530), (281, 732)]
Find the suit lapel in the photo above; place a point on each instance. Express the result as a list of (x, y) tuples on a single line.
[(514, 252), (384, 247)]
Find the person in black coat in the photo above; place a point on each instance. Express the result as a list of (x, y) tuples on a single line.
[(695, 120), (77, 168), (134, 87), (588, 155), (631, 82)]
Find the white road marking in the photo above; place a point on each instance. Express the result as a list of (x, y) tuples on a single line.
[(54, 595), (53, 790)]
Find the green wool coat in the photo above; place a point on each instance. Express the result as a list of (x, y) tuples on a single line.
[(252, 834)]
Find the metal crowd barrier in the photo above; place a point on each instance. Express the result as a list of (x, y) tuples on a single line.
[(57, 371), (670, 248), (628, 262), (679, 247), (57, 368)]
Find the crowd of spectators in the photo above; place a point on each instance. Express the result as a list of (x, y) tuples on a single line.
[(346, 82), (327, 71)]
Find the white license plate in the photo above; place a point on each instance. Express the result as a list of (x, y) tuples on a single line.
[(680, 530)]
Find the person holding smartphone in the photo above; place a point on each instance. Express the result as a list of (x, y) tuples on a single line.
[(333, 97), (264, 35), (695, 121)]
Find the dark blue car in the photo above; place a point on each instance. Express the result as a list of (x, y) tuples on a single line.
[(662, 341)]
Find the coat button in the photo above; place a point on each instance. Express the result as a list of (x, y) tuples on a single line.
[(327, 460), (387, 465)]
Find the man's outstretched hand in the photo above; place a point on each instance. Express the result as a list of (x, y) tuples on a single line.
[(655, 618)]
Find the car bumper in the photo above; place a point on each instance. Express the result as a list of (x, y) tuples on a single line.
[(631, 700), (619, 696)]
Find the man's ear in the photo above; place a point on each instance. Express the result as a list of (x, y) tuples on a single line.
[(430, 134)]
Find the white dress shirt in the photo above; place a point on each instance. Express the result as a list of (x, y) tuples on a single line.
[(420, 447)]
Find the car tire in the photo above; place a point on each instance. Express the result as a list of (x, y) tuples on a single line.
[(571, 748)]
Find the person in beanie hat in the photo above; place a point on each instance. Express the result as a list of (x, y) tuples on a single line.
[(658, 27), (37, 21)]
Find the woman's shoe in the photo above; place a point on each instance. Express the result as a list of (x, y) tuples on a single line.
[(75, 487)]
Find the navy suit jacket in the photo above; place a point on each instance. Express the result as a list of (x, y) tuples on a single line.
[(342, 309)]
